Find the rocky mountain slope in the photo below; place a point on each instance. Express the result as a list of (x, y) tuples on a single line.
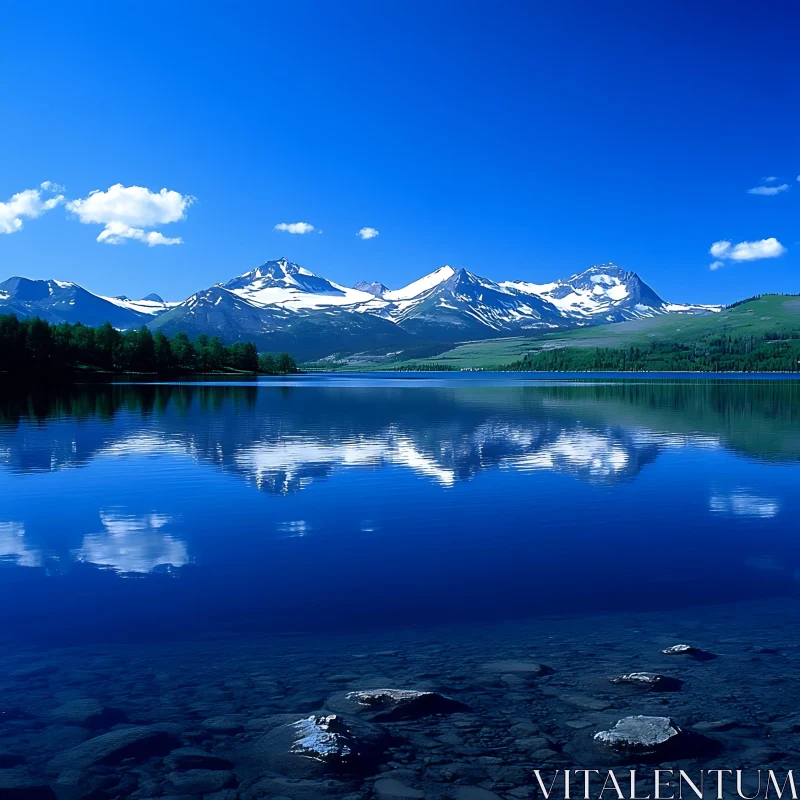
[(63, 301), (283, 306)]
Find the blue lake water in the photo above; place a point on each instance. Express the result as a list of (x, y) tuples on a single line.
[(356, 503), (219, 566)]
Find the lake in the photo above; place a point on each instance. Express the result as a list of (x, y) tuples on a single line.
[(189, 552)]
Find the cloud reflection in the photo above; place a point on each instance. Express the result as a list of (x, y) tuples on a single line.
[(743, 503), (133, 544), (14, 548)]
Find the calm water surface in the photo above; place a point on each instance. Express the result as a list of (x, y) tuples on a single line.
[(360, 503)]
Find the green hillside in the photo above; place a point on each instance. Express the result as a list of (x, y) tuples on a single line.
[(768, 324)]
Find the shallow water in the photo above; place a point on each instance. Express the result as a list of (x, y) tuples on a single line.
[(232, 547)]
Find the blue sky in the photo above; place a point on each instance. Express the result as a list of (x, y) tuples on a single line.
[(519, 140)]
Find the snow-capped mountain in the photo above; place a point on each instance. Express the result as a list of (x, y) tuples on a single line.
[(375, 288), (293, 287), (152, 305), (283, 306), (455, 304), (603, 294), (63, 301)]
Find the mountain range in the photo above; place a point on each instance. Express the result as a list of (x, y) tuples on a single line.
[(283, 306)]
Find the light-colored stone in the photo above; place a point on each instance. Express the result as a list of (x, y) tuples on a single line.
[(679, 650), (639, 734)]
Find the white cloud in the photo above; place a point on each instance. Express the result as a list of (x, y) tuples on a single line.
[(719, 249), (295, 227), (118, 233), (28, 204), (769, 179), (368, 233), (767, 191), (715, 265), (747, 251), (49, 186), (126, 211)]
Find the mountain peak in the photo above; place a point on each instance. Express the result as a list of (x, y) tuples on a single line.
[(154, 298), (374, 288), (424, 284)]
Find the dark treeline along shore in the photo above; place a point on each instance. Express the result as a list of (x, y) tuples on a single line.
[(35, 349), (758, 334), (771, 352), (767, 352)]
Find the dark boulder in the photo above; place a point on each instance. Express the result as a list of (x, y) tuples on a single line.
[(18, 785), (186, 758), (87, 714), (689, 650), (651, 681), (140, 743), (393, 705)]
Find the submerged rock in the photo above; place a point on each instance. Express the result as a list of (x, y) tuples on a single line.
[(326, 739), (393, 705), (18, 785), (185, 758), (528, 669), (318, 744), (688, 650), (392, 789), (679, 650), (87, 714), (652, 681), (639, 734), (8, 760), (715, 726), (140, 742), (474, 793), (226, 725), (201, 781)]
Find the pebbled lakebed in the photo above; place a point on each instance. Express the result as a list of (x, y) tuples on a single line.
[(395, 589)]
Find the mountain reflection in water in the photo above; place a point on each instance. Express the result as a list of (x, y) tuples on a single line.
[(223, 488)]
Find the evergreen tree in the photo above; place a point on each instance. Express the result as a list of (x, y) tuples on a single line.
[(267, 364), (163, 351), (34, 347), (216, 353), (286, 364), (183, 351)]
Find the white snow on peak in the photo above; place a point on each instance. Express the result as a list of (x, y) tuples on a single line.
[(295, 297), (604, 293), (151, 307), (425, 284), (263, 287)]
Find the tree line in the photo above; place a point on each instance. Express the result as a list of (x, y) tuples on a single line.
[(769, 352), (33, 346)]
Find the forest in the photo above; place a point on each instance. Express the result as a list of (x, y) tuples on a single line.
[(768, 352), (33, 347)]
